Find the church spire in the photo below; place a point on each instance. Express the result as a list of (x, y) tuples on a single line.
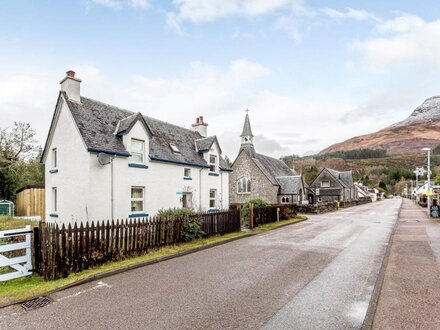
[(247, 136)]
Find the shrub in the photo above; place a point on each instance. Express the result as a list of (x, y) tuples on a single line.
[(191, 230), (258, 203), (287, 213), (174, 212)]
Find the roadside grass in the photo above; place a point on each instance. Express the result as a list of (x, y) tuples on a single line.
[(32, 286), (275, 225), (7, 222)]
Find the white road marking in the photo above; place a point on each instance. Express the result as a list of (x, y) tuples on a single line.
[(98, 286)]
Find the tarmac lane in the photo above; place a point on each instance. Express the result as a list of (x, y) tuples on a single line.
[(312, 275)]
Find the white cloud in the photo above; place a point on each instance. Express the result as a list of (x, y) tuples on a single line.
[(283, 124), (350, 13), (406, 39), (113, 4), (202, 11), (119, 4)]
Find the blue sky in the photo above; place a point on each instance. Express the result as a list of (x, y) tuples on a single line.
[(312, 72)]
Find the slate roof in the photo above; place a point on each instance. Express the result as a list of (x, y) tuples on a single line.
[(247, 131), (345, 177), (330, 191), (97, 123), (205, 144), (290, 185), (273, 167)]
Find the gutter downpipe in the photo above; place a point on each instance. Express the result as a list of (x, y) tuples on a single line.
[(200, 189), (112, 189)]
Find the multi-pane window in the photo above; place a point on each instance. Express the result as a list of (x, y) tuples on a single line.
[(244, 185), (54, 199), (212, 198), (212, 163), (137, 151), (325, 183), (187, 172), (137, 199), (54, 158), (285, 200)]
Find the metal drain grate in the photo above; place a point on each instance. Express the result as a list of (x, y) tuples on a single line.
[(36, 303)]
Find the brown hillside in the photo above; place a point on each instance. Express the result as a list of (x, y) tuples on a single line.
[(421, 129)]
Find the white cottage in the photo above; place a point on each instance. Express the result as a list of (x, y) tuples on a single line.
[(103, 162)]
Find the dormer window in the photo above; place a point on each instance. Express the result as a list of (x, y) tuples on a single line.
[(137, 151), (174, 148), (212, 163)]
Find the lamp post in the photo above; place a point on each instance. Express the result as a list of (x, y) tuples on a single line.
[(428, 193)]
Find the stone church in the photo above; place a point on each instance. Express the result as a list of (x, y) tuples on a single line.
[(258, 176)]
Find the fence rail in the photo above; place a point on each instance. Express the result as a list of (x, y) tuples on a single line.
[(22, 265), (64, 250)]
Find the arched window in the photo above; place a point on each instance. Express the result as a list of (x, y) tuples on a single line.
[(287, 199), (244, 185), (283, 200)]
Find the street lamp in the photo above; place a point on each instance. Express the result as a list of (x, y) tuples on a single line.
[(429, 179)]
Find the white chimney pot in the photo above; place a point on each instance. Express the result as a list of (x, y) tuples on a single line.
[(71, 86)]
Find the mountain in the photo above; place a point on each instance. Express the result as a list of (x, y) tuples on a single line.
[(421, 129)]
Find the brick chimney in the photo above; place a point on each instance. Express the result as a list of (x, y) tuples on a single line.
[(200, 126), (71, 86)]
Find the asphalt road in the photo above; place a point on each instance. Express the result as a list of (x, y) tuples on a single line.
[(317, 274)]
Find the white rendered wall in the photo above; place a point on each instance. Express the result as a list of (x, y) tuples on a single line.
[(72, 178)]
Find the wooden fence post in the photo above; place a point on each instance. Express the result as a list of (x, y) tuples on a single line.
[(37, 250), (251, 216)]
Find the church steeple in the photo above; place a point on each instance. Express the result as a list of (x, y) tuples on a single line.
[(247, 136)]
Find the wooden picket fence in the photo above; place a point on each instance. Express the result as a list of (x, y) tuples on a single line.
[(265, 215), (60, 251)]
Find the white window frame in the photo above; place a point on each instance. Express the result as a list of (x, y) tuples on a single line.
[(54, 158), (324, 185), (245, 184), (213, 165), (54, 199), (137, 199), (187, 172), (142, 154), (174, 148), (213, 199)]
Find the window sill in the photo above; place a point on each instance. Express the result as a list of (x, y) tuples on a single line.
[(137, 165), (187, 178), (138, 215), (55, 170), (53, 215), (213, 174), (244, 193)]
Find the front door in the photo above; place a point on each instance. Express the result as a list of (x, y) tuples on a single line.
[(187, 200)]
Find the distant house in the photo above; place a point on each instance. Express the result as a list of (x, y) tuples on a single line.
[(104, 162), (258, 176), (331, 185), (361, 190)]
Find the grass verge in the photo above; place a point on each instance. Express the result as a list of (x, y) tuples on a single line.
[(7, 222), (28, 287)]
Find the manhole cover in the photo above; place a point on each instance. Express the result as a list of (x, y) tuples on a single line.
[(36, 303)]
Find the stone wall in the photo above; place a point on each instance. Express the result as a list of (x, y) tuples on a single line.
[(261, 187), (360, 201)]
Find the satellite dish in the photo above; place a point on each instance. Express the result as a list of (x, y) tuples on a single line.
[(104, 158)]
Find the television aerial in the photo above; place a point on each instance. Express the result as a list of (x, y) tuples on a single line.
[(104, 158)]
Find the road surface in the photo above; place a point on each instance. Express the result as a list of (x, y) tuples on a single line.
[(318, 274)]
